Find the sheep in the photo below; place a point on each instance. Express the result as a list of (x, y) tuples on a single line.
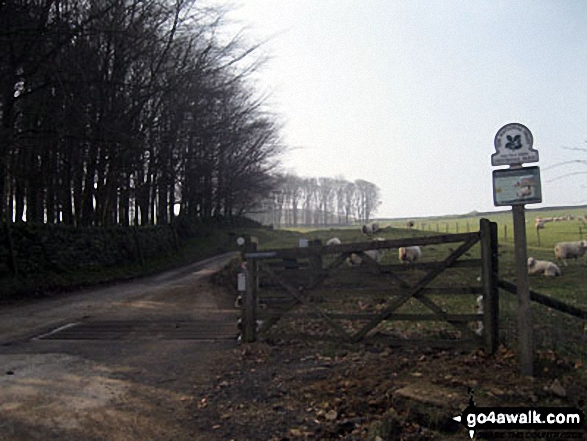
[(354, 260), (333, 241), (545, 267), (377, 255), (524, 192), (410, 254), (370, 229), (568, 250)]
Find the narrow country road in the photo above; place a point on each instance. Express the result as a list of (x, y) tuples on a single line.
[(118, 363)]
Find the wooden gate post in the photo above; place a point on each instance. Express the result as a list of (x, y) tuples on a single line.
[(489, 280), (316, 261), (250, 318)]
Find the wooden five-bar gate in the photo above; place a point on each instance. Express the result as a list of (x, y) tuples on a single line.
[(305, 284)]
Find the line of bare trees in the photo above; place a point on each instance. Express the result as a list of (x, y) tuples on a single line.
[(319, 201), (128, 112)]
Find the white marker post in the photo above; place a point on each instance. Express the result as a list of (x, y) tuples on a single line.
[(518, 186)]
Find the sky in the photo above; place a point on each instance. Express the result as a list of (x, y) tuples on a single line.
[(409, 94)]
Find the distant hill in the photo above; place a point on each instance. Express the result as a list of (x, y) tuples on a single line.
[(481, 214)]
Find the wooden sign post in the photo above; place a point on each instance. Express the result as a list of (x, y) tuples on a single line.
[(525, 340), (518, 186)]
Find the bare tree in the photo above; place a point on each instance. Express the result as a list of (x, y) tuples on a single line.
[(120, 111), (582, 162)]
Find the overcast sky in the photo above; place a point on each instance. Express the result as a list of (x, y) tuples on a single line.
[(409, 94)]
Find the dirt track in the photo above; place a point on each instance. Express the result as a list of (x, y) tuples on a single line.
[(114, 384), (128, 365)]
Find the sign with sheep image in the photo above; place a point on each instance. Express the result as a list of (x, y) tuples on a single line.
[(513, 146), (517, 186)]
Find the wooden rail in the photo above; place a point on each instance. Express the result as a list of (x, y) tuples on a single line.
[(299, 278), (546, 300)]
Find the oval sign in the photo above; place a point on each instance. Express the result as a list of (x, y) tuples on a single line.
[(513, 145)]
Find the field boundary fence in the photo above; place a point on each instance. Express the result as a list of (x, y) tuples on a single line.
[(557, 326)]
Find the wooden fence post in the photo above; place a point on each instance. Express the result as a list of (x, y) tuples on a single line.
[(250, 318), (537, 235), (505, 233), (316, 261), (489, 281)]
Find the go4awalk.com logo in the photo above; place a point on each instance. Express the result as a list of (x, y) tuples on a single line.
[(548, 419)]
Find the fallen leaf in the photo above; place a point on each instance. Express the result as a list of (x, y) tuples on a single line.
[(295, 432), (557, 389), (331, 415)]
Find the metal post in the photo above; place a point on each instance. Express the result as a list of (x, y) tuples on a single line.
[(525, 341)]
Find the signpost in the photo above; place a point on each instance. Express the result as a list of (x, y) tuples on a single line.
[(518, 186), (513, 146)]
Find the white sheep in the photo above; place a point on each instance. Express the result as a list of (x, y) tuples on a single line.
[(333, 241), (354, 260), (409, 254), (370, 229), (543, 267), (377, 255), (570, 250), (539, 224), (524, 191)]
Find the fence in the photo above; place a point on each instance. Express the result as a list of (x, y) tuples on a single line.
[(311, 286), (557, 326)]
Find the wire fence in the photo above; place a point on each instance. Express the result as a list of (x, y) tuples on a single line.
[(553, 330)]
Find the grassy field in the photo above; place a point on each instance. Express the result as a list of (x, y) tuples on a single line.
[(552, 233), (553, 330)]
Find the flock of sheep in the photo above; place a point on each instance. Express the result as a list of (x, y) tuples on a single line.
[(562, 251), (540, 222), (406, 254)]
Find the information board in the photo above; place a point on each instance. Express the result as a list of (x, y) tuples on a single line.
[(517, 186)]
